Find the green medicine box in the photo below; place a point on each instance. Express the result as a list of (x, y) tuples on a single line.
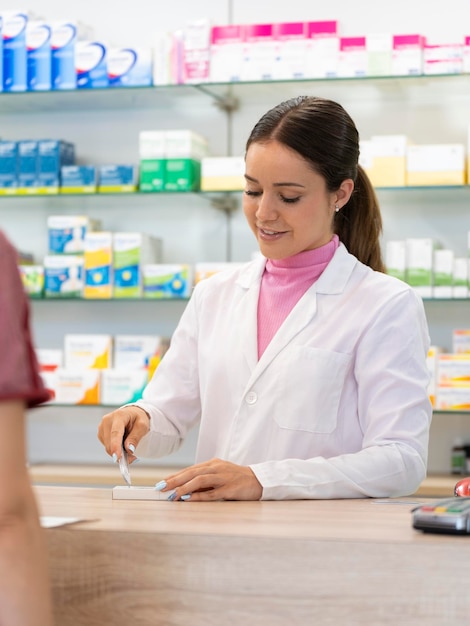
[(182, 175), (152, 175)]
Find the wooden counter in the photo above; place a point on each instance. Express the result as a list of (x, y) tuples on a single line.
[(438, 485), (312, 563)]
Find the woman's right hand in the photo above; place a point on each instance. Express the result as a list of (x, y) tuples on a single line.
[(127, 426)]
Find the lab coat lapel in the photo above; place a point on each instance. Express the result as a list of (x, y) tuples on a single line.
[(333, 281), (247, 312), (300, 316)]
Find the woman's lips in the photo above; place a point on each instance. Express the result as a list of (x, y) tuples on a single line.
[(270, 235)]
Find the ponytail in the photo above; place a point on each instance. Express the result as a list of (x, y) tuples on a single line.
[(359, 223)]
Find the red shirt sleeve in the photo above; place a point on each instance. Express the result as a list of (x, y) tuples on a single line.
[(19, 372)]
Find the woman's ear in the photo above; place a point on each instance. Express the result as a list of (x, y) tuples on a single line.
[(344, 192)]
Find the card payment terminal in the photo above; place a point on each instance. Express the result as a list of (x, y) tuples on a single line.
[(448, 515)]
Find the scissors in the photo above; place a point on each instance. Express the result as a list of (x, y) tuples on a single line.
[(124, 466)]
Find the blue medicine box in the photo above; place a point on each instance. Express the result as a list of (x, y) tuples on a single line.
[(28, 164), (8, 165), (78, 179), (52, 155)]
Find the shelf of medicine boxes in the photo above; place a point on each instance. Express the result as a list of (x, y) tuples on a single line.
[(418, 87), (11, 193)]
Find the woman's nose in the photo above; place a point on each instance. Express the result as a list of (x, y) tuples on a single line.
[(265, 210)]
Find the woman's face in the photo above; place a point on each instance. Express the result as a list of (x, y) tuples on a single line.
[(286, 203)]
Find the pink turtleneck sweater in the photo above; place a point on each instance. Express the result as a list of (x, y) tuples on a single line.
[(283, 283)]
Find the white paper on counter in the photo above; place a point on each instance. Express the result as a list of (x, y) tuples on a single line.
[(54, 522)]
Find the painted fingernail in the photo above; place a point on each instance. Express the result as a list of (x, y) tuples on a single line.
[(172, 496), (161, 485), (135, 461), (114, 457), (131, 447), (186, 496)]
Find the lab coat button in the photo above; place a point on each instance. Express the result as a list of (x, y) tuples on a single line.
[(251, 397)]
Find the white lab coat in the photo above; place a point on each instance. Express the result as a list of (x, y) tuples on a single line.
[(336, 407)]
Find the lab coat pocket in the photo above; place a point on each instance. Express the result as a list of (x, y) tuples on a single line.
[(310, 385)]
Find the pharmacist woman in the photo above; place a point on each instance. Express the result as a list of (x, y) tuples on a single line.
[(306, 368), (24, 583)]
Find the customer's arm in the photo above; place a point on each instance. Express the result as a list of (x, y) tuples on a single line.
[(24, 584), (24, 587)]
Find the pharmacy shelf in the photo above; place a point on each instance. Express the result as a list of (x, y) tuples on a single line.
[(420, 88), (7, 195), (157, 98), (126, 194)]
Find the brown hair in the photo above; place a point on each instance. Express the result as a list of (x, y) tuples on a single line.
[(324, 134)]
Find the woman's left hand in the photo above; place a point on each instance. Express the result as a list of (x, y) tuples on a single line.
[(213, 480)]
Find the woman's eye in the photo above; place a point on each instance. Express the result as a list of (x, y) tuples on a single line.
[(290, 200), (249, 192)]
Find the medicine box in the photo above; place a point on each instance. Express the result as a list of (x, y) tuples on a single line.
[(74, 386), (52, 155), (133, 352), (32, 277), (162, 281), (453, 398), (379, 54), (63, 40), (14, 50), (91, 64), (226, 58), (182, 175), (443, 273), (388, 160), (322, 54), (259, 52), (49, 359), (129, 67), (184, 144), (435, 164), (63, 276), (432, 363), (122, 386), (291, 43), (152, 144), (196, 51), (88, 351), (453, 369), (407, 54), (443, 58), (78, 179), (152, 174), (395, 258), (66, 233), (117, 178), (8, 167), (38, 50), (131, 250), (461, 341), (173, 144), (419, 264), (352, 59), (1, 53), (163, 53), (461, 272), (222, 173), (28, 161), (98, 264)]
